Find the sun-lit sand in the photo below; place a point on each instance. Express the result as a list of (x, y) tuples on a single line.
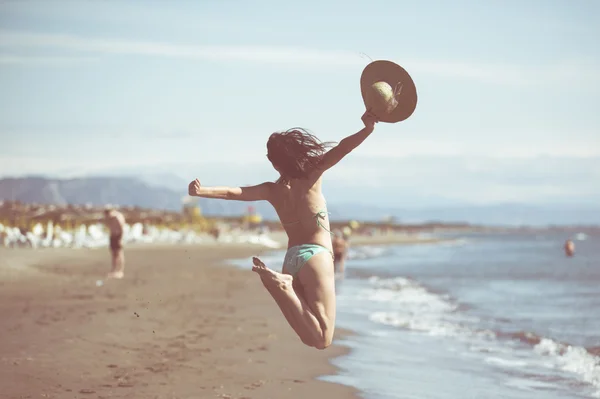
[(179, 325)]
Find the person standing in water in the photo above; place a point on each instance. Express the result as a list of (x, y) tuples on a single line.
[(115, 222), (340, 252), (305, 290), (569, 248)]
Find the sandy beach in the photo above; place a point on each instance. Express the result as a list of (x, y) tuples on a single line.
[(180, 325)]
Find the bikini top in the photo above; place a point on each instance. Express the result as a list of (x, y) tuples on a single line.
[(317, 216)]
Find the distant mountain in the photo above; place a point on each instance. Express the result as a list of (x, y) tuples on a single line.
[(164, 180), (94, 190), (166, 192)]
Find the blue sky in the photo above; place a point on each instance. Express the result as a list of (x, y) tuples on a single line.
[(508, 91)]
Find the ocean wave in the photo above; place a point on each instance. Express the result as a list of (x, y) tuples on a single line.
[(413, 307), (574, 359), (594, 350), (408, 292), (525, 337), (418, 309), (367, 252)]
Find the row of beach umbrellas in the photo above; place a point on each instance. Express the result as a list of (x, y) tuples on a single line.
[(96, 235)]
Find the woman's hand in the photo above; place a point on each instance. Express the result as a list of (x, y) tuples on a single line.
[(194, 188), (369, 119)]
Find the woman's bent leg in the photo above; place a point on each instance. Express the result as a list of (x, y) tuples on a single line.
[(311, 310)]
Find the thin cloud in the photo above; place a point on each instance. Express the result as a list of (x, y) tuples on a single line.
[(573, 71), (263, 54), (9, 59)]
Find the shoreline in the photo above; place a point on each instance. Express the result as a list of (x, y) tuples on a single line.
[(29, 266), (42, 293)]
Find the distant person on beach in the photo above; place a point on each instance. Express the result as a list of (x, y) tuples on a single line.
[(569, 248), (3, 237), (115, 222), (340, 252), (305, 290), (215, 231)]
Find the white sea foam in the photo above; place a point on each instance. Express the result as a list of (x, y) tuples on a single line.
[(572, 359), (411, 306), (367, 252)]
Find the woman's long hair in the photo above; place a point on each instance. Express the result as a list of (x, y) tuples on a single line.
[(296, 153)]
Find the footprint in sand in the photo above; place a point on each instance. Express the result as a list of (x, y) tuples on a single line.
[(81, 296), (158, 368), (255, 385), (178, 345), (125, 384), (262, 348)]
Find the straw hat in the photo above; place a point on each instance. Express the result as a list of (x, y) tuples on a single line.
[(388, 91)]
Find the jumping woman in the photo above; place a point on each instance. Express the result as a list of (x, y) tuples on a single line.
[(305, 290)]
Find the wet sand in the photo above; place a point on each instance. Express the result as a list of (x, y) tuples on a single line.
[(180, 325)]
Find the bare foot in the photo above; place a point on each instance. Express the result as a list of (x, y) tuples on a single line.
[(259, 266), (116, 274), (271, 278)]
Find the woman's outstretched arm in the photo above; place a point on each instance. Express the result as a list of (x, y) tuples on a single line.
[(260, 192), (349, 143)]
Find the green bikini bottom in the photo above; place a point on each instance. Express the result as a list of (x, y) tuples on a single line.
[(297, 256)]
